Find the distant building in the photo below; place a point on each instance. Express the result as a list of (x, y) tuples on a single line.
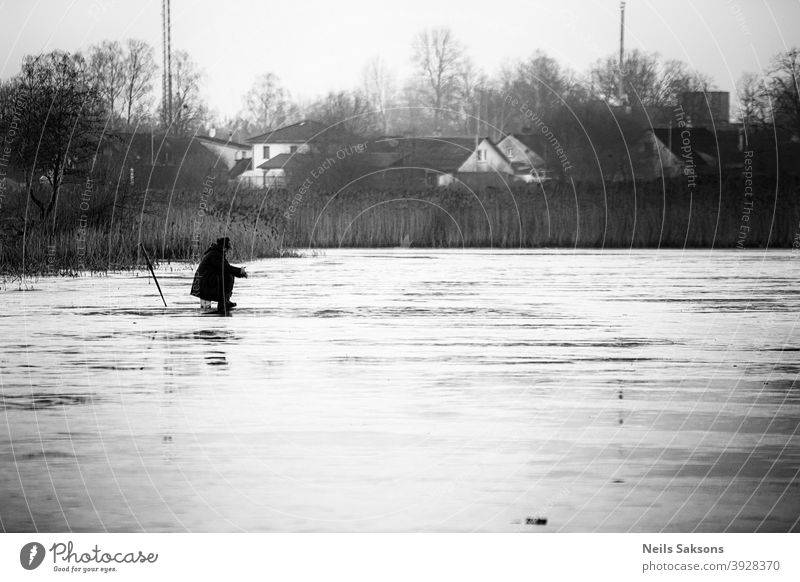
[(267, 168), (228, 151), (709, 109), (428, 161), (486, 157), (157, 161), (689, 152), (527, 154)]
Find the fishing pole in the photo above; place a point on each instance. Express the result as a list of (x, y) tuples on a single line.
[(150, 266)]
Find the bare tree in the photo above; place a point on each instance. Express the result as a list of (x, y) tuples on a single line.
[(189, 111), (471, 98), (439, 58), (267, 104), (107, 69), (502, 113), (676, 78), (539, 85), (379, 91), (783, 88), (140, 70), (646, 80), (753, 103), (344, 111)]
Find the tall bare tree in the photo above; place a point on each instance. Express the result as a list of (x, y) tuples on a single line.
[(471, 98), (439, 58), (751, 95), (646, 79), (189, 111), (783, 88), (140, 70), (344, 111), (379, 91), (107, 68), (267, 104)]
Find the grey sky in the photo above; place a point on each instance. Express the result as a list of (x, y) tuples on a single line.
[(319, 45)]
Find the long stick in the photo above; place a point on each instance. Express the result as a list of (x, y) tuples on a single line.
[(149, 266)]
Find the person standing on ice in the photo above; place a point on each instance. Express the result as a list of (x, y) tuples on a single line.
[(213, 280)]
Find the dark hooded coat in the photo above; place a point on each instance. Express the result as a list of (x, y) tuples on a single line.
[(213, 280)]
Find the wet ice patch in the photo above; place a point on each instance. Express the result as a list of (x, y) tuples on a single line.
[(42, 400)]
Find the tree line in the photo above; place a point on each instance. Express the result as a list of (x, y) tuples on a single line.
[(446, 93), (59, 104)]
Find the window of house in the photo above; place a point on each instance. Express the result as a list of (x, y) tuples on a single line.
[(266, 153), (481, 155), (510, 153)]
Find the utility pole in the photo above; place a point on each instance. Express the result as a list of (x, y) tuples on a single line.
[(620, 89), (166, 63)]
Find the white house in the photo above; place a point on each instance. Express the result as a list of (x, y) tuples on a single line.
[(287, 142), (527, 164), (511, 159), (486, 158)]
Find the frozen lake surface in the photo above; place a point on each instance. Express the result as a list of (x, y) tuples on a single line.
[(410, 390)]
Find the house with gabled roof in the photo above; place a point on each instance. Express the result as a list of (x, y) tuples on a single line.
[(527, 154), (673, 151), (286, 141), (427, 161), (157, 161), (276, 153), (229, 152), (486, 157)]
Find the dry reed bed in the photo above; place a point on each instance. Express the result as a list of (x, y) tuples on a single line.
[(556, 216), (106, 237), (179, 226)]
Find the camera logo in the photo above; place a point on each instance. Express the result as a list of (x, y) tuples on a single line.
[(31, 555)]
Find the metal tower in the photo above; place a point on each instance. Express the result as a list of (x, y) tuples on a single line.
[(166, 78), (620, 88)]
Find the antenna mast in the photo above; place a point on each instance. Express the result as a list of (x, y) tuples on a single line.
[(166, 78), (620, 89)]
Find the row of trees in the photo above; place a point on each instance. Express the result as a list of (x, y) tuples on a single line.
[(773, 98), (124, 73), (445, 94), (57, 106)]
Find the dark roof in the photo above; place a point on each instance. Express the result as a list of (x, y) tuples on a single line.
[(146, 147), (162, 162), (700, 141), (385, 143), (282, 161), (533, 142), (300, 132), (226, 142), (380, 160), (240, 167), (442, 154), (727, 149)]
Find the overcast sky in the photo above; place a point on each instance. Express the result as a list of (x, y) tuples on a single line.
[(319, 45)]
